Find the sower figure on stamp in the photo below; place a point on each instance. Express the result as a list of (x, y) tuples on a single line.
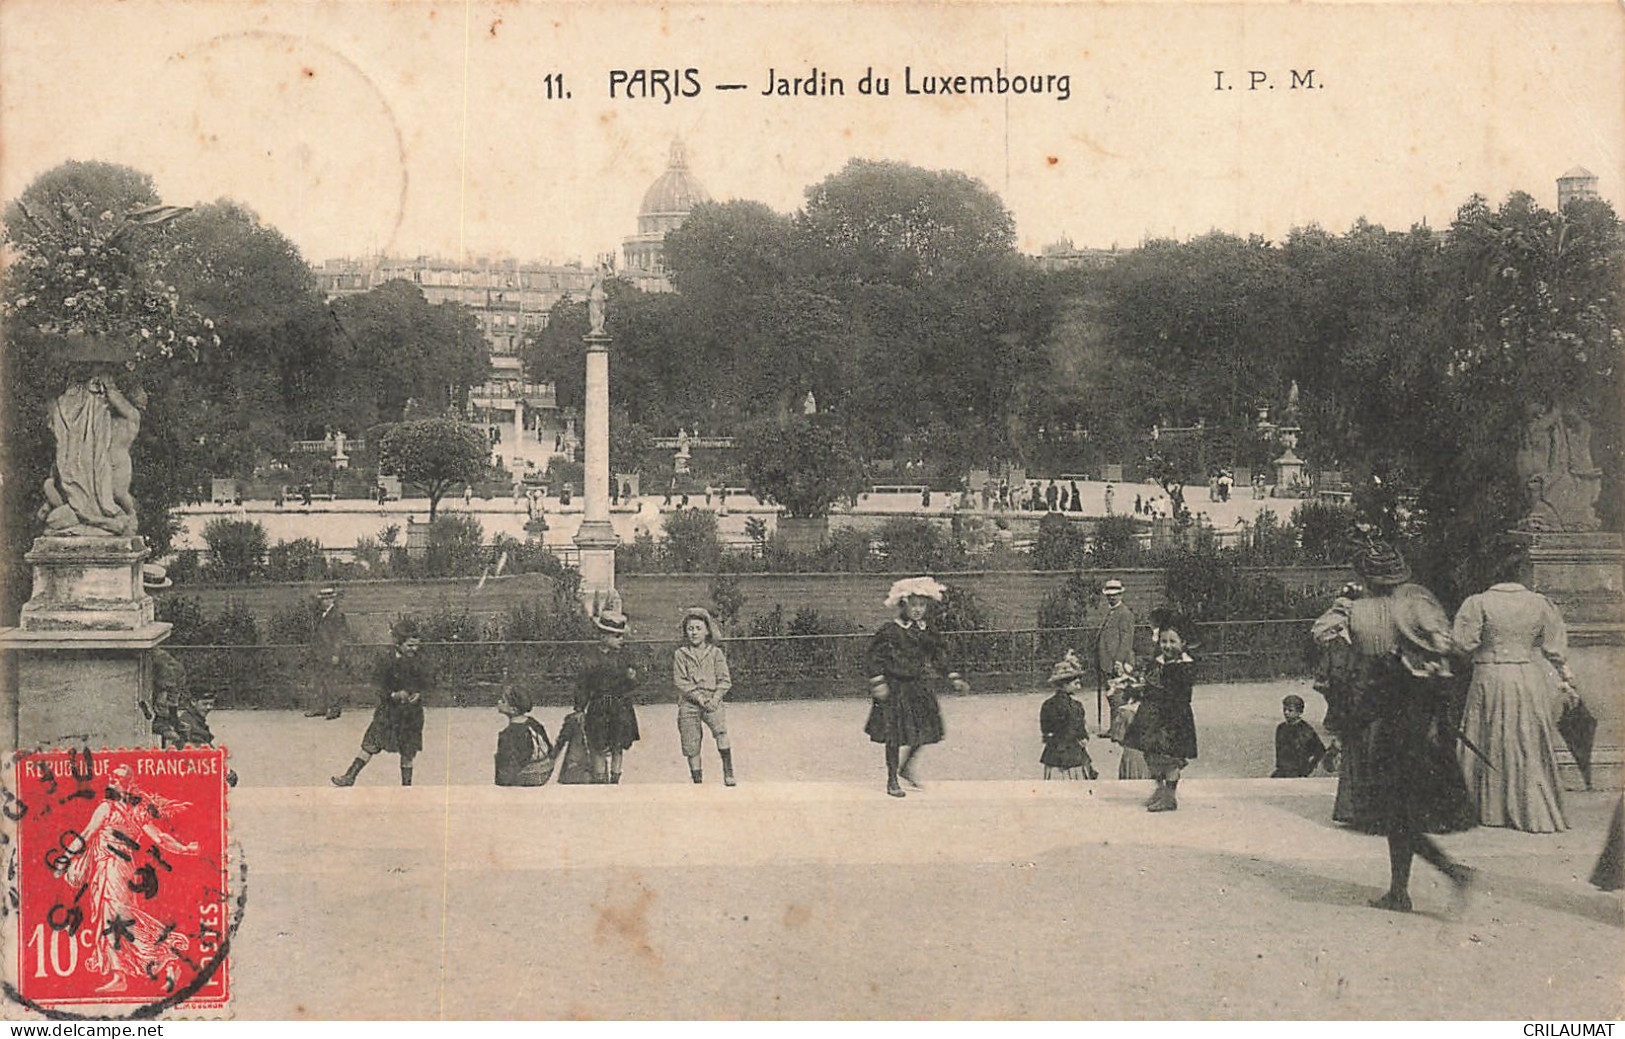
[(325, 661), (604, 696), (128, 939), (397, 721), (904, 658)]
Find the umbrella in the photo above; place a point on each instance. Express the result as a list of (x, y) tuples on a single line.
[(1579, 729)]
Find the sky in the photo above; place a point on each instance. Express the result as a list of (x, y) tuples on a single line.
[(425, 128)]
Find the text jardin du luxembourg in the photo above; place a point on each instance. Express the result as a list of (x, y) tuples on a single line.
[(669, 85)]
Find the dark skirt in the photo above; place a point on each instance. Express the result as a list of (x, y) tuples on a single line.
[(1417, 785), (1607, 874), (1356, 803), (612, 723), (396, 728), (1063, 753), (909, 717)]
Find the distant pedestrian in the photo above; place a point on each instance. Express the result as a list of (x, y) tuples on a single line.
[(1110, 495), (397, 721), (1139, 505), (1064, 724), (1051, 496), (468, 495), (1075, 499), (325, 657), (1164, 727), (905, 658), (1298, 747), (699, 670)]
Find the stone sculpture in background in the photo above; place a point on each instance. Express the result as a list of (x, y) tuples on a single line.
[(88, 491), (1555, 465)]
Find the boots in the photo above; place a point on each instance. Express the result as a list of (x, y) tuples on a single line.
[(727, 768), (406, 775), (892, 787), (1163, 799), (696, 775), (348, 779), (615, 779)]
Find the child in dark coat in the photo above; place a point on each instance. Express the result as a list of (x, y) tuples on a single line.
[(1164, 728), (1064, 724), (397, 721), (1298, 748)]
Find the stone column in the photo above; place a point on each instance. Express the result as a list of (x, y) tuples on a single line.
[(82, 647), (596, 539)]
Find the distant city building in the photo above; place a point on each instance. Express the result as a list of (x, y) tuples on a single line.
[(1062, 255), (1575, 184), (666, 204)]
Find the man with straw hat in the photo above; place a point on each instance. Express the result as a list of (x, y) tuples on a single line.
[(1114, 641), (325, 660)]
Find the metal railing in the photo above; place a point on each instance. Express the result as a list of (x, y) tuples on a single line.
[(764, 668)]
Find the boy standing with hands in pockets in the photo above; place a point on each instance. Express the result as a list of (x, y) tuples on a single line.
[(699, 670)]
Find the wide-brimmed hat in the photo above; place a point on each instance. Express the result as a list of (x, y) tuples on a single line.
[(1379, 563), (925, 587), (329, 592), (1112, 587), (700, 613), (612, 621), (154, 578), (1065, 670)]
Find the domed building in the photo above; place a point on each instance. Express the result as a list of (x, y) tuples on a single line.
[(665, 206)]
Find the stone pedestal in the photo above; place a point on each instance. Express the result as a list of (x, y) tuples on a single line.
[(82, 647), (1584, 576)]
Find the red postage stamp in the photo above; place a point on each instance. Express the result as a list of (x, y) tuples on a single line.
[(119, 879)]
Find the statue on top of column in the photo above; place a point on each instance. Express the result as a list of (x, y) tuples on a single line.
[(595, 304)]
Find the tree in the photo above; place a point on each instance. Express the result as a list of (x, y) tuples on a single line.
[(805, 466), (437, 453), (394, 347), (895, 223)]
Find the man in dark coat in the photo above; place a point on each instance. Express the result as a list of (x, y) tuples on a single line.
[(397, 721), (325, 661), (1114, 640)]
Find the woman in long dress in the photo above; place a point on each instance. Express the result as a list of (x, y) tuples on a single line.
[(1517, 643), (1401, 637)]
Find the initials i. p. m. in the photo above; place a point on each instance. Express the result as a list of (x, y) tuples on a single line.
[(1259, 79)]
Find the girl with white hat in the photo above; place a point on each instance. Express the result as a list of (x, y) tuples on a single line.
[(904, 658)]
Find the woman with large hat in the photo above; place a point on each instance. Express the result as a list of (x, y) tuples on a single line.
[(604, 695), (1401, 640), (906, 657)]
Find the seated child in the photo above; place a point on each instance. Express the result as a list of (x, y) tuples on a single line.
[(1064, 724), (1297, 746), (524, 753)]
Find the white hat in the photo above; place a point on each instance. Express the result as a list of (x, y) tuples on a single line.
[(1113, 587), (928, 587)]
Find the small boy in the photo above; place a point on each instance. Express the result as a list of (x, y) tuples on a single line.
[(1297, 746), (699, 670), (524, 754), (397, 721), (1064, 724)]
